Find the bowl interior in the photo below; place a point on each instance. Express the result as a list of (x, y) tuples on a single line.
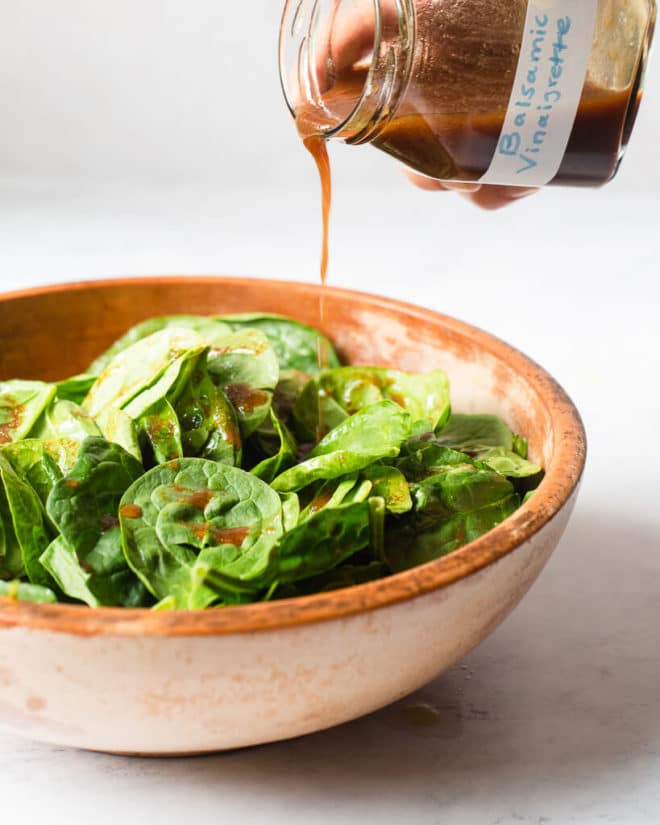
[(56, 332), (51, 334)]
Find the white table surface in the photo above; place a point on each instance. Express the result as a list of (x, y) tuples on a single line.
[(556, 717)]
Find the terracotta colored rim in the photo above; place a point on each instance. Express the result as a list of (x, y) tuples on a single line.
[(561, 482)]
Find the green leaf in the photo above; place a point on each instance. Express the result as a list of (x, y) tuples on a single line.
[(33, 463), (65, 420), (290, 510), (315, 413), (245, 367), (119, 428), (288, 390), (296, 346), (509, 464), (475, 433), (210, 329), (407, 547), (284, 457), (329, 494), (148, 368), (425, 396), (160, 426), (115, 584), (180, 518), (374, 433), (21, 404), (75, 389), (84, 507), (25, 519), (324, 541), (423, 456), (62, 428), (462, 488), (22, 592), (345, 575), (520, 446), (209, 424), (168, 387), (11, 559), (389, 484)]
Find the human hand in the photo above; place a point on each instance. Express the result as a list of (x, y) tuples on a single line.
[(345, 39), (486, 196)]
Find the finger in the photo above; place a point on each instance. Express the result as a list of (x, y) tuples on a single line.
[(346, 37), (495, 197), (433, 185)]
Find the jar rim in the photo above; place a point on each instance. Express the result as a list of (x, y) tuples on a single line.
[(388, 72)]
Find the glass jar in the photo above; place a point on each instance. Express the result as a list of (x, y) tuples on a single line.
[(513, 92)]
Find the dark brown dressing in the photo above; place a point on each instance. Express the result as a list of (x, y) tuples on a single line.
[(433, 136)]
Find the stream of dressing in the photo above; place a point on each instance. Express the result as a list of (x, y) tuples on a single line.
[(318, 148)]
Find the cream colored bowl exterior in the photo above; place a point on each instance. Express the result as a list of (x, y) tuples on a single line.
[(162, 695)]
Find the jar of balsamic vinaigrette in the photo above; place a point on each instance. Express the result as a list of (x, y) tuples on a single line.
[(511, 92)]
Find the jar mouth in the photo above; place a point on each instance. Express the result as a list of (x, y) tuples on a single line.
[(341, 62)]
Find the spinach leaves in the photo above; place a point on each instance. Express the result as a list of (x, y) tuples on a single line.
[(209, 461)]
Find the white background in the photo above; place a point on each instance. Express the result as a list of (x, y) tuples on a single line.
[(151, 137)]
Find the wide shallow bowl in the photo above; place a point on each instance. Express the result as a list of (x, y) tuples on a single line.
[(135, 681)]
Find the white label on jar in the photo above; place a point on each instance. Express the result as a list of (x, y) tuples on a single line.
[(552, 68)]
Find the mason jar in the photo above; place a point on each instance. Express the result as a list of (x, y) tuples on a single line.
[(510, 92)]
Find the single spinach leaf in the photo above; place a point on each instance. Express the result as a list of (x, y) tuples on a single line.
[(33, 463), (84, 507), (297, 346), (119, 428), (84, 504), (420, 457), (290, 510), (509, 464), (245, 367), (315, 413), (110, 584), (327, 494), (475, 433), (137, 370), (74, 389), (389, 484), (407, 546), (288, 390), (22, 592), (62, 428), (21, 404), (462, 488), (285, 455), (11, 559), (209, 424), (425, 395), (28, 520), (160, 426), (210, 329), (520, 446), (65, 420), (181, 517), (374, 433)]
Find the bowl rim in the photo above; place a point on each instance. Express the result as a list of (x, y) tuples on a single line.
[(556, 491)]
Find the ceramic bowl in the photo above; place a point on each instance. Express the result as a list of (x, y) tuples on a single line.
[(134, 681)]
